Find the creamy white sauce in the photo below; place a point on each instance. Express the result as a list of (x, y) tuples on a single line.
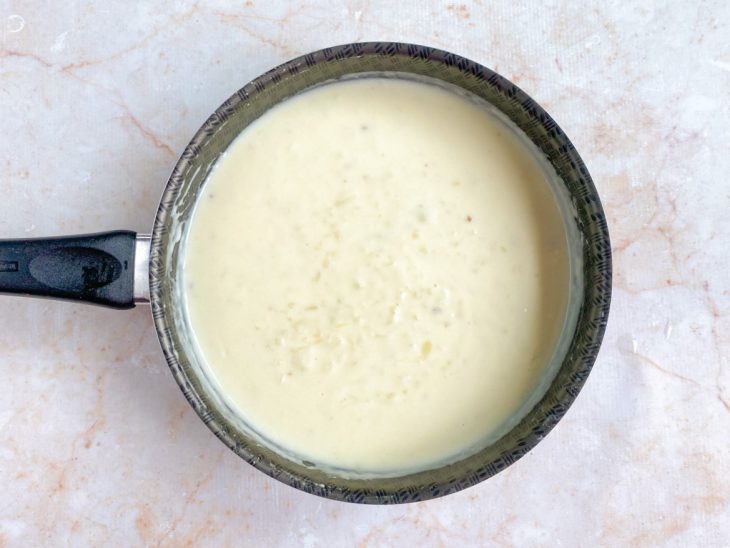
[(376, 275)]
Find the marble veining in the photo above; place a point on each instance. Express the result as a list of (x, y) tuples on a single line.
[(98, 446)]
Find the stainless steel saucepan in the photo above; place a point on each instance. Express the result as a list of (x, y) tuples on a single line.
[(123, 269)]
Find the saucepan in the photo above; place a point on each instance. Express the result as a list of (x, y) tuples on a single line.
[(123, 269)]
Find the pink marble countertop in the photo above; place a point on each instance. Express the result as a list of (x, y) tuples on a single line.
[(98, 445)]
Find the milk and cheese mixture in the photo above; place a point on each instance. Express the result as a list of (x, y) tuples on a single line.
[(376, 274)]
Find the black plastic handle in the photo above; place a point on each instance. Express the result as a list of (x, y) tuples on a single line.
[(93, 268)]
